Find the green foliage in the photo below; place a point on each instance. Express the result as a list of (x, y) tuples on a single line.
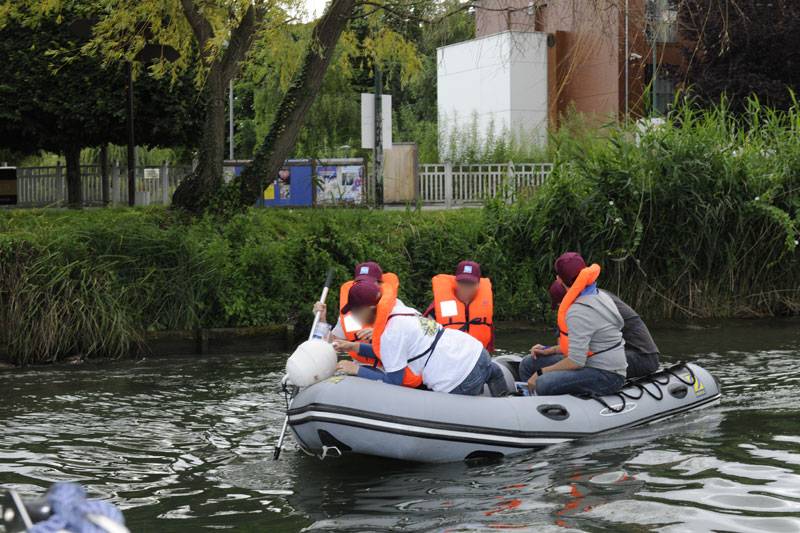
[(402, 46), (51, 99), (464, 143), (695, 218)]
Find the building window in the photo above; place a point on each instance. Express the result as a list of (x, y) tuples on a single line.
[(664, 94), (663, 20)]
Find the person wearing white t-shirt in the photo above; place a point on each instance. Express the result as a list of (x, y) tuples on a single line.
[(448, 360)]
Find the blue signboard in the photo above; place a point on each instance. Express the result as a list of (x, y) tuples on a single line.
[(293, 186)]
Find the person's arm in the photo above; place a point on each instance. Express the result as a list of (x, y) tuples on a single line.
[(581, 328), (393, 378), (430, 312), (490, 346), (365, 350)]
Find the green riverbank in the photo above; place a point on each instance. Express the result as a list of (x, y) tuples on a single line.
[(696, 219)]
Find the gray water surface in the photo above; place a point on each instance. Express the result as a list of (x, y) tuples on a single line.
[(187, 445)]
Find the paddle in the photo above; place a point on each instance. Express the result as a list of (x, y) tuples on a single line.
[(322, 298)]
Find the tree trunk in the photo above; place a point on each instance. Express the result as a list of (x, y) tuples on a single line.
[(74, 190), (279, 142), (194, 193)]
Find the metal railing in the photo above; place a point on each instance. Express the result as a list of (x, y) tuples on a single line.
[(451, 184), (47, 186)]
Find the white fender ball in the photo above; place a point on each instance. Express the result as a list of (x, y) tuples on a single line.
[(311, 362)]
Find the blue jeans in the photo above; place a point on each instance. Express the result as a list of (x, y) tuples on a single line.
[(484, 372), (528, 366), (581, 381)]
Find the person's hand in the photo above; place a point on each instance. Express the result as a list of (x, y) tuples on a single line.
[(348, 367), (322, 309), (345, 346), (364, 334), (532, 382), (538, 350)]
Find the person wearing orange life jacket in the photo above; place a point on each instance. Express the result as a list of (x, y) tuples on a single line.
[(346, 327), (590, 339), (354, 336), (446, 360), (464, 302), (641, 350)]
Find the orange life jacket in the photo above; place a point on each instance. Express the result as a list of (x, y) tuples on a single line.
[(351, 326), (586, 277), (452, 313), (382, 315)]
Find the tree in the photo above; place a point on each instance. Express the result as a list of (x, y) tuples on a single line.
[(333, 120), (278, 143), (212, 37), (306, 84), (53, 100), (742, 48)]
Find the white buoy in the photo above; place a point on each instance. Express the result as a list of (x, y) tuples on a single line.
[(311, 362)]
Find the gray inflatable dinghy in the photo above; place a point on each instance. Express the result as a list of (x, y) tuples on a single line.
[(344, 415)]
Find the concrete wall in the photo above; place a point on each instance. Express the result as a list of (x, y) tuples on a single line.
[(498, 81)]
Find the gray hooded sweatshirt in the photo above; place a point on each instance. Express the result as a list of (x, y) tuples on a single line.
[(595, 325)]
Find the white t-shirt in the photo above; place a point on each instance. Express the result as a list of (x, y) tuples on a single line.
[(338, 331), (407, 336)]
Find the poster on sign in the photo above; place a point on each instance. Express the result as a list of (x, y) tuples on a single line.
[(340, 184)]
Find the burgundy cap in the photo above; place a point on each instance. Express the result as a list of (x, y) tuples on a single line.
[(369, 270), (362, 294), (557, 292), (568, 266), (468, 271)]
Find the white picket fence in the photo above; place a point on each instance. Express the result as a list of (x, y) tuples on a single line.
[(442, 184), (47, 186), (451, 184)]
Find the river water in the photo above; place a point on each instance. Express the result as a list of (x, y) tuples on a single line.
[(187, 445)]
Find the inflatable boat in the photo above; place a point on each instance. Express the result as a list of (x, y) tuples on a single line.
[(349, 415)]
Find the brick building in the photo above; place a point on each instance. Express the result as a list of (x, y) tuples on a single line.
[(589, 44)]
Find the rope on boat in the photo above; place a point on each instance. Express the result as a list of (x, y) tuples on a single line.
[(639, 384)]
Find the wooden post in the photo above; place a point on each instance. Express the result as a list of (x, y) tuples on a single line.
[(164, 183), (448, 184), (510, 186), (60, 185), (116, 184), (104, 183)]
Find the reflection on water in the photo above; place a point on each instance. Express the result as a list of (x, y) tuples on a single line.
[(187, 445)]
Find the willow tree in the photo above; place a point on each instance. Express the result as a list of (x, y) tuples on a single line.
[(380, 46), (212, 37)]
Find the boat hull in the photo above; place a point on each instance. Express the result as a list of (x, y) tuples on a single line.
[(344, 415)]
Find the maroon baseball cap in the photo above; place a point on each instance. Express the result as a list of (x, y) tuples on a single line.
[(369, 270), (362, 294), (557, 292), (568, 266), (468, 271)]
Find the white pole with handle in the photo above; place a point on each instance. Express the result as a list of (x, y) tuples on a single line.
[(322, 298)]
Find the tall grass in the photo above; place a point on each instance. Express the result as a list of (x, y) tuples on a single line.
[(698, 217)]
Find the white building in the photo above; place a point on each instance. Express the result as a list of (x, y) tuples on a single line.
[(497, 84)]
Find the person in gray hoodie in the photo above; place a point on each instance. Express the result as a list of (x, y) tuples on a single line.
[(641, 350), (595, 325)]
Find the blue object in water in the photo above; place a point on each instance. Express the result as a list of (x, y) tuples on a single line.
[(72, 512)]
